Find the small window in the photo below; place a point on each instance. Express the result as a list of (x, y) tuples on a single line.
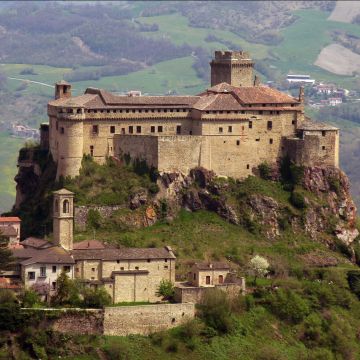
[(258, 139), (54, 269), (57, 126), (66, 268), (138, 129), (152, 129), (194, 276), (221, 279), (31, 275), (166, 267), (230, 129), (248, 166), (91, 150), (271, 141), (92, 278), (323, 147), (323, 133), (220, 130), (237, 142), (260, 112), (112, 129), (131, 129), (92, 269), (160, 129), (62, 130), (250, 124), (123, 131), (165, 260), (77, 270), (178, 130), (148, 260), (136, 268), (293, 122), (207, 280), (121, 268), (190, 132), (53, 285), (269, 125), (43, 271), (95, 129), (118, 261)]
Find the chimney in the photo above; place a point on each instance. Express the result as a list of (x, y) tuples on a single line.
[(62, 90), (257, 80), (301, 94)]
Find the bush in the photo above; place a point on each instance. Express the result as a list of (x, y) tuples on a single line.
[(67, 292), (118, 351), (288, 305), (93, 219), (96, 298), (215, 311), (30, 298), (353, 278), (264, 171), (298, 200), (166, 290)]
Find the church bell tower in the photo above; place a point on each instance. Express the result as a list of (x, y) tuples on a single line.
[(63, 218)]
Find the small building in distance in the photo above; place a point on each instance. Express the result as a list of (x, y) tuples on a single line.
[(300, 79), (10, 226), (209, 274)]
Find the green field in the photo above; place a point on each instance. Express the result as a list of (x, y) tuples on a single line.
[(9, 148)]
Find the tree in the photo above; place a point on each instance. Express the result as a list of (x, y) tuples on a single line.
[(259, 265), (30, 298), (67, 291), (6, 258), (166, 290)]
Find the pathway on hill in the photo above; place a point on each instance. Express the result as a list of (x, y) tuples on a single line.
[(31, 81)]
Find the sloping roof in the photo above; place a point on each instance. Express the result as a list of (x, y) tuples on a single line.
[(51, 255), (212, 266), (63, 192), (221, 101), (9, 219), (123, 254), (35, 242), (88, 244), (8, 231), (316, 126)]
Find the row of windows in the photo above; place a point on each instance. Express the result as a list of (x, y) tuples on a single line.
[(31, 274), (135, 129), (114, 111), (260, 112)]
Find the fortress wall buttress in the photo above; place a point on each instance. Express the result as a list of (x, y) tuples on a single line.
[(70, 148)]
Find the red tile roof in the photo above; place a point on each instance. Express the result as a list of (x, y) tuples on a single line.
[(9, 219), (89, 244)]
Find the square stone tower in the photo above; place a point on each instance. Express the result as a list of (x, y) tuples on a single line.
[(63, 218), (232, 67), (62, 90)]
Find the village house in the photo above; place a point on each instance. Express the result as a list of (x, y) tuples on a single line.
[(10, 227)]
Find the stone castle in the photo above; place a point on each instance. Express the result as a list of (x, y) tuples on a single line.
[(230, 128)]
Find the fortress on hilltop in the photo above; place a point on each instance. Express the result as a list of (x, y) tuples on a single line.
[(230, 128)]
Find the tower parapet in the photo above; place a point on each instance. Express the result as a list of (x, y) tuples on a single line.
[(232, 67)]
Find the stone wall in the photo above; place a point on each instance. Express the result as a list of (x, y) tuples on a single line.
[(145, 319), (81, 213)]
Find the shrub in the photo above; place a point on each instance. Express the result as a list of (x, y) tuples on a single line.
[(334, 185), (117, 350), (313, 333), (353, 278), (30, 298), (264, 171), (93, 219), (153, 188), (298, 200), (166, 290), (215, 310), (67, 292), (96, 298), (288, 305)]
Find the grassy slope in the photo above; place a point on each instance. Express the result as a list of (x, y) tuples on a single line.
[(9, 148)]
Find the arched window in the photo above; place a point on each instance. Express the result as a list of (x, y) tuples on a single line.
[(221, 279), (66, 206)]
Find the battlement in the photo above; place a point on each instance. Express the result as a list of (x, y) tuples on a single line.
[(232, 55)]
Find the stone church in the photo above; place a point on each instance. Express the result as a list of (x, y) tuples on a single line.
[(230, 128)]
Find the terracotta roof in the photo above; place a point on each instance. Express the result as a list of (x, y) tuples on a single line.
[(89, 244), (51, 255), (213, 265), (123, 254), (315, 126), (222, 101), (9, 219), (8, 231), (35, 242)]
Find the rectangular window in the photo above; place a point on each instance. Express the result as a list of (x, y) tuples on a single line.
[(250, 124), (62, 130), (136, 268), (152, 129), (178, 129), (271, 141), (123, 131), (323, 133), (237, 142), (43, 271), (53, 285), (220, 130), (293, 122), (91, 150), (138, 129), (66, 268), (31, 275), (207, 280), (166, 267), (230, 129), (112, 129), (57, 126), (160, 129), (54, 269), (95, 129), (248, 166), (131, 129), (323, 147), (194, 276), (269, 125), (92, 269), (257, 139)]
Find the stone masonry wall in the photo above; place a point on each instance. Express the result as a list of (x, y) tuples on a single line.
[(145, 319)]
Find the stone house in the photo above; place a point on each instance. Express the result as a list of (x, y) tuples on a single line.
[(230, 128), (209, 274), (10, 226)]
